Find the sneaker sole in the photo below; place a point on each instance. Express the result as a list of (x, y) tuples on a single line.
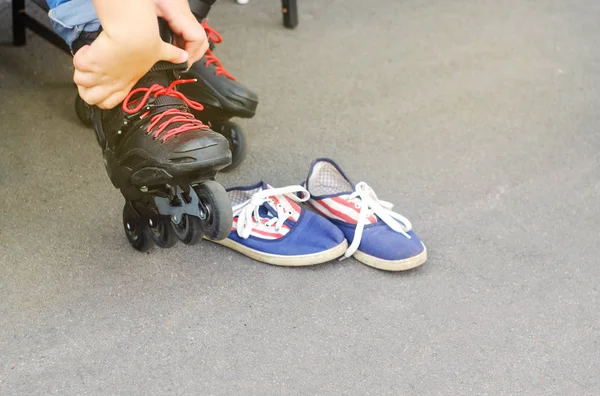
[(286, 261), (392, 265)]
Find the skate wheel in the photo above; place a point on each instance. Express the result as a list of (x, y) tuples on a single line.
[(290, 13), (237, 142), (135, 229), (189, 229), (161, 231), (83, 111), (215, 210)]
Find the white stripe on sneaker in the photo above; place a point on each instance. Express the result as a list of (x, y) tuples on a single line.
[(323, 210), (286, 261)]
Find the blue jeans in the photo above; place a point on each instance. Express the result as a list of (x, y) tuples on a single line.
[(71, 17)]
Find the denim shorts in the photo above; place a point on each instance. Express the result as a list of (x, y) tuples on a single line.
[(71, 17)]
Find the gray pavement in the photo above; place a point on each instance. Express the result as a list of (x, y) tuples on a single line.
[(478, 119)]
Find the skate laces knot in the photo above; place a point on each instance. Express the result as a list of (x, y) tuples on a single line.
[(211, 59), (248, 211), (366, 200), (168, 117)]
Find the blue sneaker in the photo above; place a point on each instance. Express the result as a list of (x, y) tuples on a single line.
[(380, 237), (270, 226)]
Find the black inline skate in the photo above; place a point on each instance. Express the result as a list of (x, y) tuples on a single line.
[(164, 161), (221, 96)]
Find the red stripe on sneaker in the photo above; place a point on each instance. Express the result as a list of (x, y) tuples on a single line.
[(354, 210), (313, 204), (340, 215), (344, 202)]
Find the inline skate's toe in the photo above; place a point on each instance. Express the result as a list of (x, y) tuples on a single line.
[(236, 137), (241, 100), (211, 152), (199, 141)]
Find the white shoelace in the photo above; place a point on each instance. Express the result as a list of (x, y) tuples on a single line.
[(371, 205), (248, 210)]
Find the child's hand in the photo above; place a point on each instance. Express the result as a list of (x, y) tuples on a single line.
[(190, 33), (107, 70)]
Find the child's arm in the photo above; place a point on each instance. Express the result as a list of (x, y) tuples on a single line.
[(127, 48), (129, 20)]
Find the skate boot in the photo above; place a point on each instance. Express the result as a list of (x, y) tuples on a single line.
[(164, 162), (221, 95)]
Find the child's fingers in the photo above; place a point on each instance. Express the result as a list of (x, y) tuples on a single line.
[(194, 36), (93, 95), (81, 60), (85, 79), (113, 100), (196, 49), (171, 53)]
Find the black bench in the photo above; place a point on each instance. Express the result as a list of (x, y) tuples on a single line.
[(23, 21)]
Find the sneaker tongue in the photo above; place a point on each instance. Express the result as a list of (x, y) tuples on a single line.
[(265, 211), (267, 207)]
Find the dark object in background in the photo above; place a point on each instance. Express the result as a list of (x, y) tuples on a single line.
[(289, 8), (22, 21), (290, 13), (200, 8)]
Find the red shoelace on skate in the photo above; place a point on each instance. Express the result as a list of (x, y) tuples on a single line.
[(188, 121), (215, 38)]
